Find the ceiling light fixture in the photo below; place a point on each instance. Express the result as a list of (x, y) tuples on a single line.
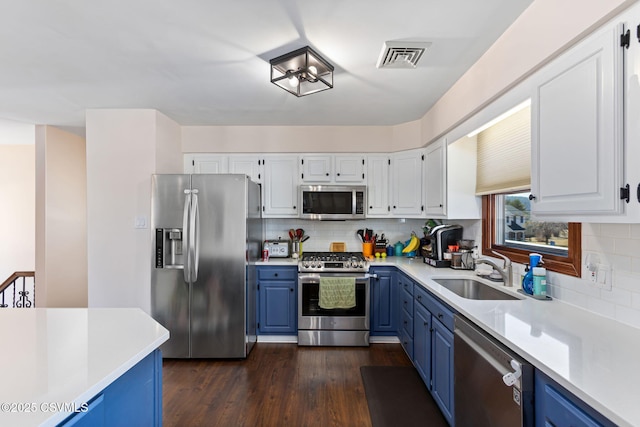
[(302, 72)]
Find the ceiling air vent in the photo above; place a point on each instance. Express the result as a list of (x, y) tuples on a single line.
[(399, 54)]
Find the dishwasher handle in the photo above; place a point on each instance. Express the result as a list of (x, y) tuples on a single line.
[(510, 378)]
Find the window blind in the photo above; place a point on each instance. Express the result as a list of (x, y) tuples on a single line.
[(504, 155)]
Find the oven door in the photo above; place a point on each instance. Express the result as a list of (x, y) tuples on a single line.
[(312, 317)]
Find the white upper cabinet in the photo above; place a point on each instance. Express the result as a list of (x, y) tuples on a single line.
[(406, 184), (247, 164), (450, 179), (332, 169), (280, 189), (632, 124), (316, 169), (378, 186), (577, 130), (435, 178), (349, 169), (206, 163)]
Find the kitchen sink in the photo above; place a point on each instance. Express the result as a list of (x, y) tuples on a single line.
[(472, 289)]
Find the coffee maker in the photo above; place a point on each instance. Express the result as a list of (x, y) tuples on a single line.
[(439, 240)]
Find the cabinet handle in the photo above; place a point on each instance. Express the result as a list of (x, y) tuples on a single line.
[(294, 207), (426, 323), (328, 174), (394, 207), (430, 330), (338, 174), (532, 197), (371, 207), (291, 289), (440, 204), (275, 274), (419, 297), (638, 189), (440, 316)]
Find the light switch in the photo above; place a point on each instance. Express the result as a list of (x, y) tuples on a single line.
[(140, 222)]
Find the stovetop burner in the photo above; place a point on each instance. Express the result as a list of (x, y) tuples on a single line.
[(333, 262)]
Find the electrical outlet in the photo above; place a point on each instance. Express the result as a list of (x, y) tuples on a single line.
[(603, 276)]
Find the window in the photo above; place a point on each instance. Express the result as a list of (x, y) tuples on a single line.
[(503, 180), (559, 243)]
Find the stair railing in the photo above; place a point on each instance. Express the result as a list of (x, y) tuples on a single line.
[(15, 292)]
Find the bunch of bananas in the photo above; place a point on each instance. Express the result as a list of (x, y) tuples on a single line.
[(413, 244)]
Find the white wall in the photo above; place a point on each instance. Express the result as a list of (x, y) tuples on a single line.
[(542, 32), (61, 238), (18, 206), (124, 148), (300, 139)]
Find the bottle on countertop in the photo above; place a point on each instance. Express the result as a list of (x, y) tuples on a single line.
[(540, 281)]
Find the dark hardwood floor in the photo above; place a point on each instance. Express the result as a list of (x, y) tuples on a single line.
[(277, 385)]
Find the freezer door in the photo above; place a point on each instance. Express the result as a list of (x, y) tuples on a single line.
[(218, 303), (169, 291)]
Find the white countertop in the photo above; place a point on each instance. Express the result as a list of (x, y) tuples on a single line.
[(592, 356), (67, 355)]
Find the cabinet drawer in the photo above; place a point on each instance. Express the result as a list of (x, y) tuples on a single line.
[(406, 300), (277, 273), (437, 309), (407, 323), (407, 284), (407, 343)]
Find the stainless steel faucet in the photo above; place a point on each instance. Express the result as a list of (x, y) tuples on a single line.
[(505, 271)]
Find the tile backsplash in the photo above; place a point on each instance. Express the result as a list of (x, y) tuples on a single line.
[(322, 233), (616, 245)]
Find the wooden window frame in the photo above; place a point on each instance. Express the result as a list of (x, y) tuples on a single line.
[(570, 265)]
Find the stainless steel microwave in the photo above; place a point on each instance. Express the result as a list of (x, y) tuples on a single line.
[(333, 202)]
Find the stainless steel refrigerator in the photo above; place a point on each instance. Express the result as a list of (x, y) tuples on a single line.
[(207, 237)]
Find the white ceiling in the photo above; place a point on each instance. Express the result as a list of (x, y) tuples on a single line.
[(206, 62)]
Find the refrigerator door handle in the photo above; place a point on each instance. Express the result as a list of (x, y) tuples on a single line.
[(185, 234), (195, 234)]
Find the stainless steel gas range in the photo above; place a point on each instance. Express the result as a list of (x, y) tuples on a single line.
[(342, 322)]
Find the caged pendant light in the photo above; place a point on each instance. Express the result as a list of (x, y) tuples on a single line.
[(302, 72)]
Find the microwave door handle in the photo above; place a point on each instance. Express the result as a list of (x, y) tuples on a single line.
[(185, 236), (195, 235)]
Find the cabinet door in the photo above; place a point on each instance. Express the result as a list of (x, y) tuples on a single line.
[(206, 163), (384, 303), (248, 165), (350, 169), (378, 186), (576, 130), (406, 183), (422, 342), (442, 369), (316, 169), (280, 192), (435, 178), (277, 307), (555, 406)]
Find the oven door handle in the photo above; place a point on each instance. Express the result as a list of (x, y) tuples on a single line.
[(315, 277)]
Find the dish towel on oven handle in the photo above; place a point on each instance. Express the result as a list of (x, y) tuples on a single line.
[(337, 292)]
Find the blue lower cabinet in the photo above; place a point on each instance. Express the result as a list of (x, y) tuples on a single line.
[(277, 301), (442, 368), (134, 399), (433, 348), (556, 406), (384, 302), (422, 342)]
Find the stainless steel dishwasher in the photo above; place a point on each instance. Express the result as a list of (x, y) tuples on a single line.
[(493, 386)]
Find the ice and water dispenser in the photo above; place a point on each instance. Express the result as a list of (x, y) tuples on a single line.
[(169, 248)]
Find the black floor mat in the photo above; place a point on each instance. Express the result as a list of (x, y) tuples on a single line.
[(397, 396)]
